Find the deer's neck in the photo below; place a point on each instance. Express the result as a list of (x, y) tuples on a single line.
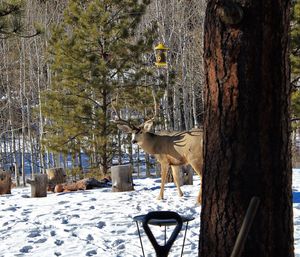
[(152, 143)]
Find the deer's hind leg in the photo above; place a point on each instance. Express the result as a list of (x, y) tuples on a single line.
[(176, 174), (164, 172), (197, 166)]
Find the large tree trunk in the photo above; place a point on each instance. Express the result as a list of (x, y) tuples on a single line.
[(246, 141)]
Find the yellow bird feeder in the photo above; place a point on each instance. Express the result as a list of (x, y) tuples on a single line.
[(161, 55)]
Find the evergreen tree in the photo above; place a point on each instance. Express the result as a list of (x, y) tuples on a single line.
[(295, 43), (295, 60), (10, 17), (94, 59), (12, 20)]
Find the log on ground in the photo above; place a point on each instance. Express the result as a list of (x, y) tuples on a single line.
[(83, 184)]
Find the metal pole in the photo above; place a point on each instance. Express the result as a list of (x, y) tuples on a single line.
[(165, 235), (137, 225), (186, 227), (244, 231)]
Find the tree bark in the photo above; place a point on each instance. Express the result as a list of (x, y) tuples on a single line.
[(39, 185), (55, 176), (5, 182), (121, 176), (22, 146), (246, 139)]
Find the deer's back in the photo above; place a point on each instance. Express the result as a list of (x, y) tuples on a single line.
[(182, 147)]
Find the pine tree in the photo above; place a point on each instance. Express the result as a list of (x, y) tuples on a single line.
[(247, 130), (295, 59), (94, 59), (12, 22), (10, 17), (295, 43)]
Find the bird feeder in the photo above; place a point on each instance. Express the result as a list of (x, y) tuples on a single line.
[(161, 55)]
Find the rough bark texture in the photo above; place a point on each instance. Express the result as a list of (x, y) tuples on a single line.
[(246, 141), (5, 182), (121, 176), (39, 185)]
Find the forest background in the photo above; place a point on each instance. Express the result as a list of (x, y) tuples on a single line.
[(67, 66)]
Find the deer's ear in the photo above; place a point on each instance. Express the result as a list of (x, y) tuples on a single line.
[(148, 125), (124, 128)]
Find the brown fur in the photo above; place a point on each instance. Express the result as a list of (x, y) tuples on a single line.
[(171, 150)]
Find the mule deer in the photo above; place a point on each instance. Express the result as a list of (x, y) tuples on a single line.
[(176, 149)]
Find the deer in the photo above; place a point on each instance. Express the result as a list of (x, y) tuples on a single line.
[(170, 150)]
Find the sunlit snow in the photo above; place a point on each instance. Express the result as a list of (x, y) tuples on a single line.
[(100, 223)]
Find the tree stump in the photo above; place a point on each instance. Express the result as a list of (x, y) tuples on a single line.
[(5, 182), (39, 185), (55, 176), (121, 176), (186, 175)]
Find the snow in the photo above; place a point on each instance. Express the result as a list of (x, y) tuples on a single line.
[(296, 209), (92, 222), (100, 223)]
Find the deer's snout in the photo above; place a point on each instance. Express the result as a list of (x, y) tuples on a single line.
[(133, 141)]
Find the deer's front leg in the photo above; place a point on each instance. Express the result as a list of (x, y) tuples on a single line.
[(164, 172)]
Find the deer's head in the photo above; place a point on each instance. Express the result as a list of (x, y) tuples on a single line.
[(138, 133)]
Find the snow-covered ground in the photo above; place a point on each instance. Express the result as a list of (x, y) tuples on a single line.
[(99, 222), (91, 223), (296, 205)]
